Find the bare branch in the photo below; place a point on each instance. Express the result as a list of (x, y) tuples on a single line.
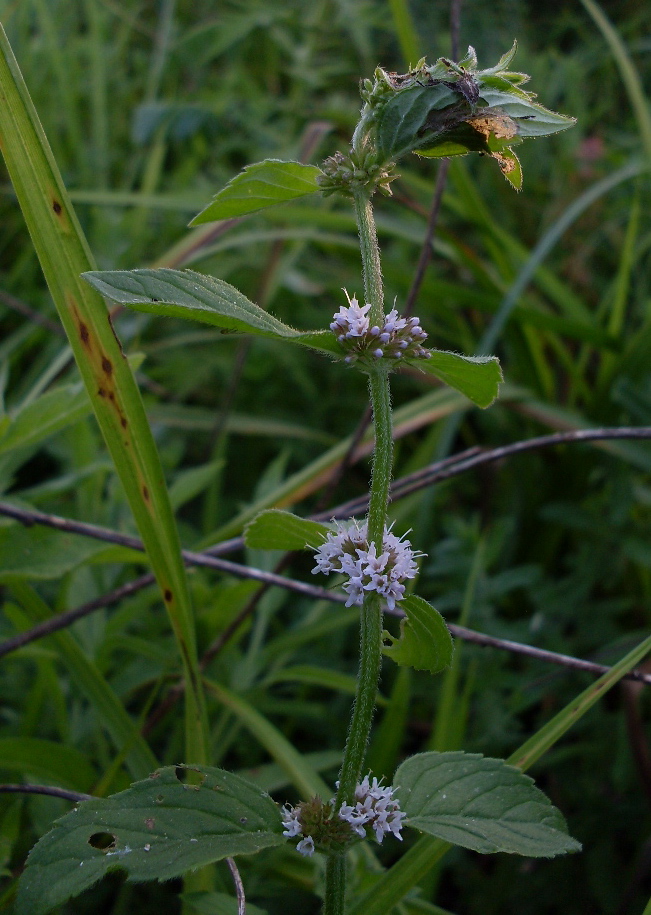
[(74, 796), (440, 470)]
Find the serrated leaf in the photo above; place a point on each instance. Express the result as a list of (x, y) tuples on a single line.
[(478, 377), (195, 296), (425, 642), (404, 116), (157, 829), (482, 804), (506, 59), (510, 167), (532, 119), (280, 530), (258, 186)]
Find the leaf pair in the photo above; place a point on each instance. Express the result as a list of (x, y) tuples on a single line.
[(186, 817), (424, 643), (186, 294)]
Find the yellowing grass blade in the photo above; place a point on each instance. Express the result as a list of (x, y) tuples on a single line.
[(64, 255)]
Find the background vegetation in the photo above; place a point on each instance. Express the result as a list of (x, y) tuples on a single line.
[(152, 107)]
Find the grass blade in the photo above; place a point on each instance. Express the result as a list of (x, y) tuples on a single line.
[(139, 759), (628, 72), (64, 255)]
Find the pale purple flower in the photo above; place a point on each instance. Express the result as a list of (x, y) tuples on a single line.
[(291, 822), (398, 337), (375, 807), (346, 550), (351, 321), (306, 846)]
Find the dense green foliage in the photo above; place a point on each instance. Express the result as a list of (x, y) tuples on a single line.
[(150, 109)]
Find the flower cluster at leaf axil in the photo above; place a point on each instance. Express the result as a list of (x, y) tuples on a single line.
[(316, 823), (398, 338), (347, 550)]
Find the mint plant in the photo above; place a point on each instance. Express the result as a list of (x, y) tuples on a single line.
[(180, 819)]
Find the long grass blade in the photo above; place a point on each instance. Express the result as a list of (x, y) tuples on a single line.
[(630, 76), (64, 255)]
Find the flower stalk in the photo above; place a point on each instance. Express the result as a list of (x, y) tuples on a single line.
[(371, 616)]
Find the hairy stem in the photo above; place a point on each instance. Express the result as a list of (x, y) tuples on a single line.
[(371, 616)]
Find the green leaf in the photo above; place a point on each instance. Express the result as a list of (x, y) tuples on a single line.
[(262, 185), (397, 881), (42, 553), (46, 415), (510, 167), (441, 117), (425, 642), (195, 296), (158, 828), (478, 377), (58, 764), (85, 677), (402, 120), (480, 803), (532, 119), (279, 530), (189, 483)]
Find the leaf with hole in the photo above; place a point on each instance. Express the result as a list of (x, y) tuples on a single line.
[(176, 820), (259, 186), (482, 804)]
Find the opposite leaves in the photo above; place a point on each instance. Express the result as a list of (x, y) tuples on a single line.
[(480, 803), (157, 829)]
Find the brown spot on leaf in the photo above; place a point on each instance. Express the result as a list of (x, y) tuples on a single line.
[(145, 493), (168, 595), (56, 206), (101, 392), (495, 122), (123, 422), (107, 365), (83, 333)]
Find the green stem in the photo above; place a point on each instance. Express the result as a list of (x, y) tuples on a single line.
[(370, 252), (335, 893), (371, 616)]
